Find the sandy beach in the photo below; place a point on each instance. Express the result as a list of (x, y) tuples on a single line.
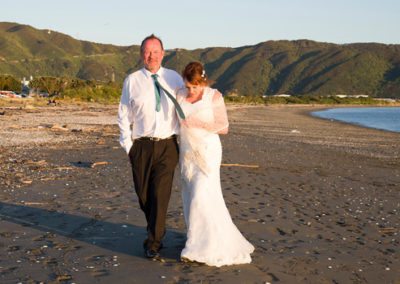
[(318, 199)]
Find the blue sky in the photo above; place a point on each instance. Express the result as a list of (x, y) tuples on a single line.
[(210, 23)]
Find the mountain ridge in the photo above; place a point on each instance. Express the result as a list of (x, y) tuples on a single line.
[(295, 67)]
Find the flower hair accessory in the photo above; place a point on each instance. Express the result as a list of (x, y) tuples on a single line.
[(203, 74)]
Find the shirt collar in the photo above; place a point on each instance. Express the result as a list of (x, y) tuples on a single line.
[(148, 74)]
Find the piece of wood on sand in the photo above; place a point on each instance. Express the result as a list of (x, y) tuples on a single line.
[(240, 165), (95, 164)]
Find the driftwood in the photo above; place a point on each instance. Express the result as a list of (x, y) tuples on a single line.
[(40, 163), (63, 168), (98, 164), (389, 230), (36, 203), (240, 165)]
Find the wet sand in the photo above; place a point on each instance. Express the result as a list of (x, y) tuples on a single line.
[(320, 201)]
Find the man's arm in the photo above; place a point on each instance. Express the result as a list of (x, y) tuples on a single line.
[(125, 118)]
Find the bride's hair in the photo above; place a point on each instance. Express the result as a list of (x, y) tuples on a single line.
[(195, 74)]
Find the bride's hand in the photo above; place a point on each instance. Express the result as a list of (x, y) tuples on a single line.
[(184, 123)]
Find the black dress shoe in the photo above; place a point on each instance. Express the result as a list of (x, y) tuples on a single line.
[(151, 253)]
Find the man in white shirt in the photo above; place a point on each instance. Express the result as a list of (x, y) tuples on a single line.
[(148, 126)]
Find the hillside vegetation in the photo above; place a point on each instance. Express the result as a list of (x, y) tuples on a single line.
[(301, 67)]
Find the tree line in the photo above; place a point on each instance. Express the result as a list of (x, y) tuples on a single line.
[(64, 87)]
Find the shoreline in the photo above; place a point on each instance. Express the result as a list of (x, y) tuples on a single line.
[(361, 124), (322, 206)]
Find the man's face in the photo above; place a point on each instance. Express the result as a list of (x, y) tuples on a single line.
[(152, 55)]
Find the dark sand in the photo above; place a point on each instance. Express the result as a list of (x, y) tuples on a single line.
[(322, 207)]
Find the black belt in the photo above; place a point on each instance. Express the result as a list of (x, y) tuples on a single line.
[(149, 138)]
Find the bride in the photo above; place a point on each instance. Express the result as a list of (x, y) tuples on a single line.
[(212, 237)]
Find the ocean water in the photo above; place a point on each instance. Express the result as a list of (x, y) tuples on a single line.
[(385, 118)]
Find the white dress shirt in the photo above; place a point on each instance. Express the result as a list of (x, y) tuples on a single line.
[(137, 115)]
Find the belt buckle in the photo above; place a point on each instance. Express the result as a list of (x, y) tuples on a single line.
[(154, 139)]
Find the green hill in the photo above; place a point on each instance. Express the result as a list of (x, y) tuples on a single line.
[(273, 67)]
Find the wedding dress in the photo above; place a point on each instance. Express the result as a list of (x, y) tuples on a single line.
[(212, 237)]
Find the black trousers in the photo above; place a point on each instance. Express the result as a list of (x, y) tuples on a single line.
[(153, 166)]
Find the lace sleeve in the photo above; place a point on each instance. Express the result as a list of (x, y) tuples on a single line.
[(219, 122)]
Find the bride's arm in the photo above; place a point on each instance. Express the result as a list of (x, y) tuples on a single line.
[(219, 124), (220, 115)]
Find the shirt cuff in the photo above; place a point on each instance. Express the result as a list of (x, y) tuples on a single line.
[(127, 145)]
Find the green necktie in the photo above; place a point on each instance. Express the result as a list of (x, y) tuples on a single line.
[(158, 87), (157, 92)]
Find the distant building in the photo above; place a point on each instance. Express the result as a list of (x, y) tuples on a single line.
[(25, 89), (389, 100), (351, 96), (282, 95)]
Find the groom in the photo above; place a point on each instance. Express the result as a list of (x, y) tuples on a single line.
[(148, 127)]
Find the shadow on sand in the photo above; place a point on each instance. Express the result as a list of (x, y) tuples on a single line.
[(117, 237)]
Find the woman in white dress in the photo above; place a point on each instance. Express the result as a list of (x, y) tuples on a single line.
[(212, 237)]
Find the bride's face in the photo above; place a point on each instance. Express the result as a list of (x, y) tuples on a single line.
[(194, 90)]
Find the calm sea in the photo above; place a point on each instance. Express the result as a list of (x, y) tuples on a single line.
[(386, 118)]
